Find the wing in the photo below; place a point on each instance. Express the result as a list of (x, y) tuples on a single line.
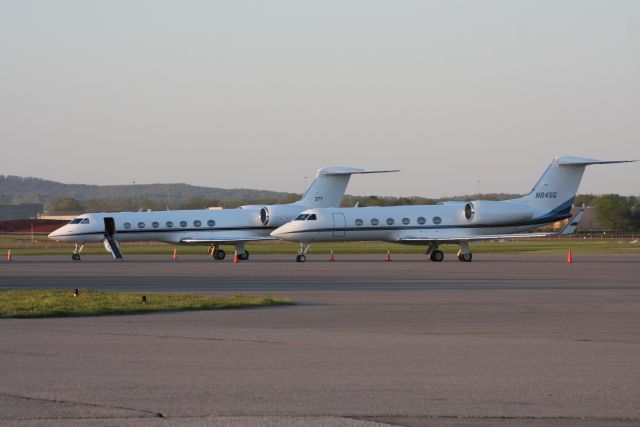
[(224, 240), (568, 229)]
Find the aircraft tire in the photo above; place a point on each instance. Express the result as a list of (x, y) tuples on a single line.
[(465, 257), (301, 258), (436, 256), (75, 257), (244, 256), (220, 254)]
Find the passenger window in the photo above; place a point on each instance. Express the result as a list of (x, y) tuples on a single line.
[(75, 221), (169, 224), (437, 220), (421, 220), (155, 224), (301, 217), (127, 225), (312, 217), (359, 222), (406, 221), (211, 223), (390, 221), (141, 224), (375, 221), (85, 221), (183, 223), (197, 223)]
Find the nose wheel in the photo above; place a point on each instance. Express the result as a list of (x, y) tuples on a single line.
[(76, 252), (304, 248)]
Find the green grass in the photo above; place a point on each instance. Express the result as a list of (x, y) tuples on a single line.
[(57, 303), (21, 246)]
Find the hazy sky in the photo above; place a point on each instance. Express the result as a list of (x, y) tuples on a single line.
[(259, 94)]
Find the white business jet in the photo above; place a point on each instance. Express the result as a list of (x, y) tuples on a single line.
[(458, 223), (205, 227)]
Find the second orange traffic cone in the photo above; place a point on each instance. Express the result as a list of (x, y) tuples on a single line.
[(175, 254), (388, 255), (332, 257), (569, 257), (9, 256), (235, 257)]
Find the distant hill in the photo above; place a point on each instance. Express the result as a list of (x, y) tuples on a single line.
[(15, 189)]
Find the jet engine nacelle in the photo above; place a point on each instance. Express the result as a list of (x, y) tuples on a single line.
[(277, 215), (491, 212)]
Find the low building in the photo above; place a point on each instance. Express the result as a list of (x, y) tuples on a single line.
[(21, 211)]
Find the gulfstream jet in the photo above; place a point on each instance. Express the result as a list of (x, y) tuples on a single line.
[(458, 223), (205, 227)]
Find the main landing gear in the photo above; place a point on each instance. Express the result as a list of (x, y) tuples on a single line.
[(219, 254), (76, 252), (304, 248), (436, 255)]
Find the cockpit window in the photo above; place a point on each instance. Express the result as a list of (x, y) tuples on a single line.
[(301, 217), (75, 221), (85, 221), (312, 217)]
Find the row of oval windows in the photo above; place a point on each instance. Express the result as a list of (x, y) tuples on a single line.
[(169, 224), (406, 221)]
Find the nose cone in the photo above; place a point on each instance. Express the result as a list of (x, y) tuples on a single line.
[(55, 234), (277, 233)]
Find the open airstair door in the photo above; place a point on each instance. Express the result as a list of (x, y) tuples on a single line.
[(109, 238)]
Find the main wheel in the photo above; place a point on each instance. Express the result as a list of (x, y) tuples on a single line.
[(436, 256), (75, 257), (301, 258), (219, 254), (244, 256), (465, 257)]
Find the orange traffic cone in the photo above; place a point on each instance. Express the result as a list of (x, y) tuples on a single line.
[(332, 257), (235, 257), (9, 256), (569, 257), (388, 255), (175, 254)]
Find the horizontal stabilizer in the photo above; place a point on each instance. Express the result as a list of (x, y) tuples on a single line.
[(352, 171), (581, 161)]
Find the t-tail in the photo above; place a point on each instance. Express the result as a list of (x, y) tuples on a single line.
[(554, 193), (329, 186)]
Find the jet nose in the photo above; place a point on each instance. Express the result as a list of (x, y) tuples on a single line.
[(56, 233)]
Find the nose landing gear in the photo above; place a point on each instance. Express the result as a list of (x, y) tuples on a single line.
[(304, 248), (76, 252)]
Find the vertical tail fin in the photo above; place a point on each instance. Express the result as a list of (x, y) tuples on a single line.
[(327, 189), (556, 190)]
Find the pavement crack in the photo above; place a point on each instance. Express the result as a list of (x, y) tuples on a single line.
[(80, 403), (236, 340)]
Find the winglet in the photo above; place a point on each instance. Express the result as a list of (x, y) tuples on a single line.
[(573, 223)]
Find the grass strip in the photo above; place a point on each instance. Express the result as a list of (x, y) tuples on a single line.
[(58, 303)]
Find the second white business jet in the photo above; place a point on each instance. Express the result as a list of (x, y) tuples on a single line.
[(458, 223), (205, 227)]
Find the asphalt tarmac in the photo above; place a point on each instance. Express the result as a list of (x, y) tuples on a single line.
[(522, 340)]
